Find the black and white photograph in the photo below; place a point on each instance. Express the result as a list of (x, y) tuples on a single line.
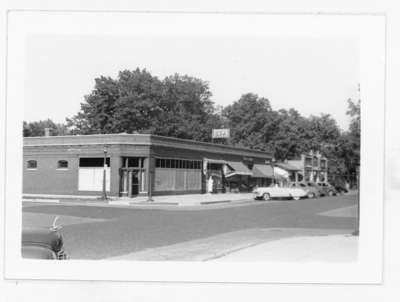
[(212, 140)]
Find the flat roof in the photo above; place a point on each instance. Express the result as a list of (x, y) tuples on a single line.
[(139, 139)]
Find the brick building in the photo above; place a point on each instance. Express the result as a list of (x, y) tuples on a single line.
[(312, 166), (138, 164)]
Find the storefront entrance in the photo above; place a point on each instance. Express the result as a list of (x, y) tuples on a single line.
[(215, 178), (132, 177)]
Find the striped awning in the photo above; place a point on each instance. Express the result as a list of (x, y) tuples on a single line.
[(287, 167), (263, 171), (238, 169)]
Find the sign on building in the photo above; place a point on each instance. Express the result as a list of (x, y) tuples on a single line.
[(221, 133)]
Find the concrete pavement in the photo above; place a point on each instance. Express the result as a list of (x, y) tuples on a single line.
[(186, 232), (332, 248), (253, 245)]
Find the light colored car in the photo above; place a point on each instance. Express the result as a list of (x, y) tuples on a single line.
[(312, 191), (266, 193)]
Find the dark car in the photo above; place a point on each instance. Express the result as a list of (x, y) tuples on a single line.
[(327, 189), (43, 243), (319, 190), (340, 188)]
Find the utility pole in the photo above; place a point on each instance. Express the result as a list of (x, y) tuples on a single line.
[(104, 197), (273, 170), (357, 231), (150, 193)]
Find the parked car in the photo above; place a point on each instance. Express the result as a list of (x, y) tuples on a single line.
[(327, 189), (340, 188), (266, 193), (312, 191), (43, 243), (320, 191)]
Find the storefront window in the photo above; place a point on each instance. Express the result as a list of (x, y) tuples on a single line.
[(177, 163)]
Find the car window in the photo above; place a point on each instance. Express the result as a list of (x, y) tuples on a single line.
[(303, 185)]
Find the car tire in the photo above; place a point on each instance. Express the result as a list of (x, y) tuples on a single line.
[(266, 196), (296, 197), (311, 195), (331, 193)]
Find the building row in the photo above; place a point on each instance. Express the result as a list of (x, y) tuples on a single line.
[(145, 164)]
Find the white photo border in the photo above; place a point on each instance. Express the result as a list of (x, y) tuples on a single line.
[(368, 29)]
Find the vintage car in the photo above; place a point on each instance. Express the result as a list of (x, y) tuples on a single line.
[(43, 243), (318, 189), (327, 189), (340, 187), (312, 191), (266, 193)]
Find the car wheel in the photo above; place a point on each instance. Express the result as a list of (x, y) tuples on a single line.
[(296, 197), (331, 193), (266, 197), (311, 195)]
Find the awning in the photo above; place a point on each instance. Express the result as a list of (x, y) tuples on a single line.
[(263, 171), (238, 169), (287, 167), (282, 173)]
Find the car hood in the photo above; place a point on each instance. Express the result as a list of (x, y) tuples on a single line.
[(42, 237)]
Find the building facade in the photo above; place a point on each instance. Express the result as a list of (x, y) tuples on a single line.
[(138, 164), (312, 167)]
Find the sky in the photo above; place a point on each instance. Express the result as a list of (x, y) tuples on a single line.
[(314, 75)]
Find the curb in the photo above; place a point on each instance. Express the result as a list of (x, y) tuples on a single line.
[(122, 203), (215, 202)]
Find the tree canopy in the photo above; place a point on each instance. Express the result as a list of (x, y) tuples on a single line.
[(181, 106), (136, 101), (38, 128)]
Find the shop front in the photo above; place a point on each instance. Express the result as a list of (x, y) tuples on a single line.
[(130, 165), (133, 176)]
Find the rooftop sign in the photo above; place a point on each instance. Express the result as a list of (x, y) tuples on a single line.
[(221, 133)]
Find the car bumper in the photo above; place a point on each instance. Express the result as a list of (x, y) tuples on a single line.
[(62, 255), (257, 195)]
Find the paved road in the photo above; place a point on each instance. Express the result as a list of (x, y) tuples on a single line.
[(96, 232)]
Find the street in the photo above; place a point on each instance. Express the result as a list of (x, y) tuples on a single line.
[(99, 232)]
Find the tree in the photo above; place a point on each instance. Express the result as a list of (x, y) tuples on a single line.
[(285, 133), (138, 105), (186, 109), (38, 128), (287, 140), (97, 111), (354, 111), (251, 120), (136, 101)]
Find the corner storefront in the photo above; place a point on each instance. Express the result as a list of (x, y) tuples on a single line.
[(139, 164)]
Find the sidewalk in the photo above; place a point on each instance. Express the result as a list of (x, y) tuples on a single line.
[(254, 244), (185, 200), (332, 248)]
